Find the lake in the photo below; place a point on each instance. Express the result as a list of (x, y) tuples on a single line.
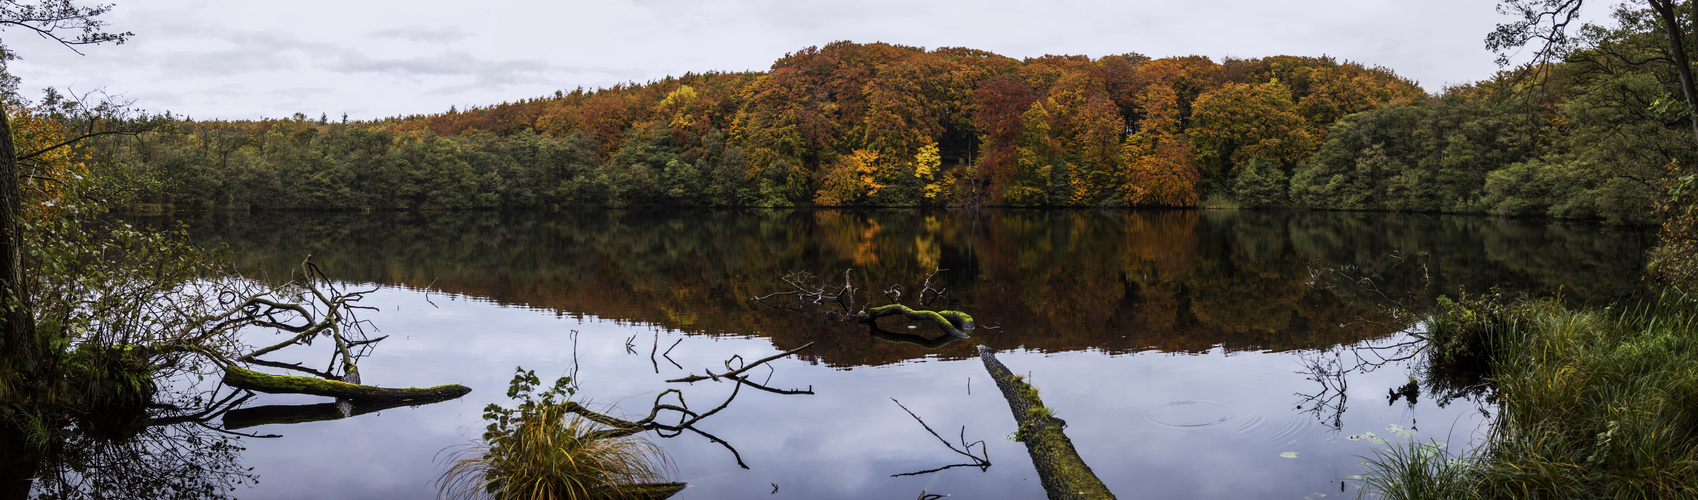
[(1193, 354)]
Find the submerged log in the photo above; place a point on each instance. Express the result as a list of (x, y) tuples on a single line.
[(1063, 473), (955, 324), (909, 338), (243, 378)]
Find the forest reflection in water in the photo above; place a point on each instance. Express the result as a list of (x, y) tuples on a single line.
[(1054, 281), (1087, 301)]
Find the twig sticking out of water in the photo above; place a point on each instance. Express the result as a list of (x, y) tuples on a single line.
[(981, 462), (738, 371), (687, 418)]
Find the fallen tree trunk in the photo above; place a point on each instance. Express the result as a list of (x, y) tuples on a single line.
[(1063, 473), (243, 378), (954, 324)]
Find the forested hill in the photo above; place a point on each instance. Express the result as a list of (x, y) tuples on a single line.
[(852, 124), (843, 124)]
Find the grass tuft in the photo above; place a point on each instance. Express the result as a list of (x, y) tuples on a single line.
[(539, 450), (551, 453), (1419, 471)]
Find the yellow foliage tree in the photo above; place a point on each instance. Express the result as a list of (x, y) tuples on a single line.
[(678, 108), (937, 186), (44, 176), (850, 179), (1034, 154), (1237, 122)]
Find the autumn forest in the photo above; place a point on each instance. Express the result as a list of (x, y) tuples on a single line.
[(851, 124)]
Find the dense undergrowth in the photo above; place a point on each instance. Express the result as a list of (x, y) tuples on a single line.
[(1593, 403)]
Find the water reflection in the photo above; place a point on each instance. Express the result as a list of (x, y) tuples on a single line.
[(1173, 343), (1054, 281), (168, 452)]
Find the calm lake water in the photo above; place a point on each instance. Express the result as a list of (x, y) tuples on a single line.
[(1181, 347)]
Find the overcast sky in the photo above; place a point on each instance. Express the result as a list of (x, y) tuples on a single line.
[(243, 60)]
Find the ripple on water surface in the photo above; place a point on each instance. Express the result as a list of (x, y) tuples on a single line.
[(1191, 413)]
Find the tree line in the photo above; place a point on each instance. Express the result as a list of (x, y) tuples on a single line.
[(885, 125), (1595, 134), (842, 125)]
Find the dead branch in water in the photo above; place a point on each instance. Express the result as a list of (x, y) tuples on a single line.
[(687, 418), (809, 292), (310, 306), (966, 449), (739, 371)]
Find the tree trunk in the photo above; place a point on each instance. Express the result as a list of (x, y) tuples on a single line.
[(243, 378), (1682, 65), (19, 338), (1063, 473), (1690, 83)]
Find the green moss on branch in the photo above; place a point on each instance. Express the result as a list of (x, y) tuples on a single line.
[(955, 323), (242, 378), (1063, 473)]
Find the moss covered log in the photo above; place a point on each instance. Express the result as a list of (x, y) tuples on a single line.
[(1063, 473), (243, 378), (956, 324)]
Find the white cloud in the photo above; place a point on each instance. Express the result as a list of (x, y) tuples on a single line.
[(424, 34)]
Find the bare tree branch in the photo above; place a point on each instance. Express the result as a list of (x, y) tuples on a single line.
[(966, 449)]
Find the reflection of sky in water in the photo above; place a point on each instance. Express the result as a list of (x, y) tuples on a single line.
[(848, 439)]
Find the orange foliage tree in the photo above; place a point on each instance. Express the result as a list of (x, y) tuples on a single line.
[(780, 128), (850, 179), (1159, 168), (1002, 101)]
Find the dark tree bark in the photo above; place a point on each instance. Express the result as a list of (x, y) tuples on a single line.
[(71, 26), (1682, 64), (19, 315)]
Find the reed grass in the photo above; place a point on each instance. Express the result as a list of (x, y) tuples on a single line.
[(1419, 471), (1593, 403), (550, 453)]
